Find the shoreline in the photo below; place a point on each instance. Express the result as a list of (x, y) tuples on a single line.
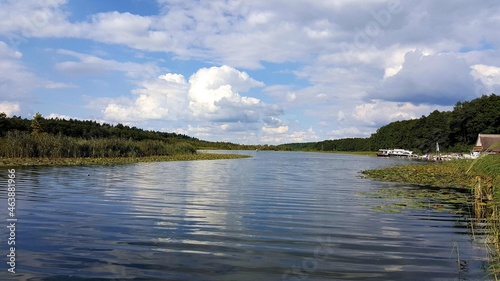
[(31, 162), (462, 173)]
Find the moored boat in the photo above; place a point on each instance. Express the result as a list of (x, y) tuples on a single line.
[(383, 152), (401, 153), (395, 153)]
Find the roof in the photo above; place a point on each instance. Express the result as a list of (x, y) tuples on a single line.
[(488, 142)]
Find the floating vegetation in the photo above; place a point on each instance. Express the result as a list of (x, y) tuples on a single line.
[(456, 173), (440, 186), (438, 175), (428, 177), (478, 176), (399, 198), (16, 162)]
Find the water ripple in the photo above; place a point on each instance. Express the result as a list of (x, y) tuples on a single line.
[(277, 216)]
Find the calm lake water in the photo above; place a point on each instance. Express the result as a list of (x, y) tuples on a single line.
[(276, 216)]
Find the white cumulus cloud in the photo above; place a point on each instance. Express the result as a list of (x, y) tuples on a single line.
[(489, 76), (214, 94), (162, 98), (211, 100), (9, 108)]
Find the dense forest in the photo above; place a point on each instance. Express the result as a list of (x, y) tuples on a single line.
[(455, 131)]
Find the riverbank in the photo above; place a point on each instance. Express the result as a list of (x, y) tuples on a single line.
[(456, 173), (19, 162)]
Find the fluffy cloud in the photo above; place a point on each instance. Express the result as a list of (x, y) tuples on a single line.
[(9, 108), (214, 95), (440, 79), (379, 113), (210, 96), (31, 17), (138, 32), (247, 33), (273, 125), (489, 76), (162, 98)]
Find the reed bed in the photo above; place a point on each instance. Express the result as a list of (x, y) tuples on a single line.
[(41, 149), (18, 144)]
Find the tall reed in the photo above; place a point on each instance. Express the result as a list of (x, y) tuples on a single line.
[(18, 144)]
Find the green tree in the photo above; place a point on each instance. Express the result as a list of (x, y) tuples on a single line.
[(36, 128), (4, 124)]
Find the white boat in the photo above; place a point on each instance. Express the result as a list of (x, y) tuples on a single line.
[(383, 152), (395, 153), (401, 153)]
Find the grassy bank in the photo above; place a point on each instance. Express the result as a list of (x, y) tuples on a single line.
[(61, 161), (480, 176), (457, 173)]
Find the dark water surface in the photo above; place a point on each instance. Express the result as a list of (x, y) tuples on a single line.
[(276, 216)]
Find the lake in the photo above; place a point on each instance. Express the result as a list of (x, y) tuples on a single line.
[(276, 216)]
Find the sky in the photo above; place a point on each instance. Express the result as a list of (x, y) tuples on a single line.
[(247, 71)]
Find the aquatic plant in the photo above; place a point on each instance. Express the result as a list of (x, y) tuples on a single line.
[(480, 176), (75, 161)]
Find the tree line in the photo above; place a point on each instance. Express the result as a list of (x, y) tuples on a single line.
[(86, 129), (54, 138), (455, 131)]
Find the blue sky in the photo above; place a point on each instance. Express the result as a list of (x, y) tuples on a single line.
[(247, 71)]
